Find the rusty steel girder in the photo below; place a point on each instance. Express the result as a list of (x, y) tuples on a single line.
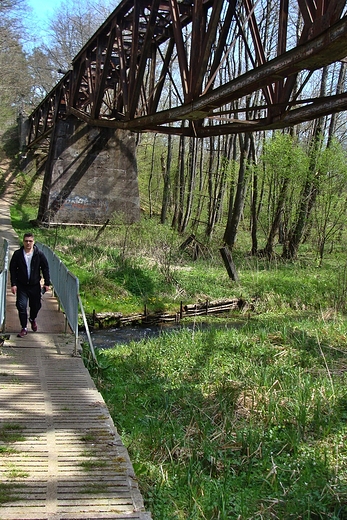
[(203, 67)]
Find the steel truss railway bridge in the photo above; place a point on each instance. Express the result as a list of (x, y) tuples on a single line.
[(193, 67)]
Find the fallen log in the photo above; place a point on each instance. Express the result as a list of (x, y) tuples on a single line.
[(197, 309), (232, 304), (102, 318)]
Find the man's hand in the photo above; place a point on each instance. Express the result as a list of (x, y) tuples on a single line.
[(14, 289)]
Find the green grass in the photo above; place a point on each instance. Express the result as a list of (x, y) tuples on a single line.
[(11, 432), (8, 492), (228, 422), (129, 267), (89, 465)]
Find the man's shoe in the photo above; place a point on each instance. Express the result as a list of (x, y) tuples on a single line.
[(33, 325), (22, 333)]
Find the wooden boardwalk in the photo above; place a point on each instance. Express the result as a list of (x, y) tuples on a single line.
[(61, 457)]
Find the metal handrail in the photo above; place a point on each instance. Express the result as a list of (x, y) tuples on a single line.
[(66, 288), (3, 282)]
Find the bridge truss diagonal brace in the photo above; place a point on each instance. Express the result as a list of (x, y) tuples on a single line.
[(323, 50), (121, 77)]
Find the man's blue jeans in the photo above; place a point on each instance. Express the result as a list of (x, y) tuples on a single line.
[(25, 294)]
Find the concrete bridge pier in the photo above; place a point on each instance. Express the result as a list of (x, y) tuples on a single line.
[(90, 175)]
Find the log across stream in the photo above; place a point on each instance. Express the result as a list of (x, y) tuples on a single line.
[(111, 329), (117, 319)]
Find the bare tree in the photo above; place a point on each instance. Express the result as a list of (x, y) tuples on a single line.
[(11, 16), (44, 75), (72, 25)]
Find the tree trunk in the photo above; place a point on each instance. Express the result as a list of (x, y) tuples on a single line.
[(166, 176), (229, 263), (179, 186), (269, 248), (200, 203), (309, 193), (151, 178), (235, 210), (339, 89), (254, 203), (217, 176), (210, 184), (254, 218), (191, 184)]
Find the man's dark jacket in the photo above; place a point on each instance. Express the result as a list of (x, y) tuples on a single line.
[(18, 268)]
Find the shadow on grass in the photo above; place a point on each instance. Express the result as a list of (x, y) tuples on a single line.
[(227, 441)]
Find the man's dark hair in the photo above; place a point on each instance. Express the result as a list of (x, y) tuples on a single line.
[(26, 235)]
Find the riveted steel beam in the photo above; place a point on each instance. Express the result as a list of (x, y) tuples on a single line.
[(154, 63)]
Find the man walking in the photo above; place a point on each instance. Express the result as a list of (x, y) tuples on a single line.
[(26, 266)]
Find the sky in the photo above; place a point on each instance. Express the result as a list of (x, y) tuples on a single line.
[(42, 9), (40, 14)]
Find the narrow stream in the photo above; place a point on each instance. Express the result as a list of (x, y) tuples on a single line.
[(109, 338)]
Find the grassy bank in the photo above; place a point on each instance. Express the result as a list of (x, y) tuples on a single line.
[(243, 417), (237, 420)]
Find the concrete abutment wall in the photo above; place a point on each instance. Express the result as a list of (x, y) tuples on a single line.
[(90, 175)]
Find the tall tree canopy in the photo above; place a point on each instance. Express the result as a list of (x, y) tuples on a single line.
[(15, 83)]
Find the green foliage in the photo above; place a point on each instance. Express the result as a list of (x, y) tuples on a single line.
[(11, 432), (284, 157), (231, 421), (21, 216), (9, 143), (151, 151), (282, 172), (330, 205), (130, 266)]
